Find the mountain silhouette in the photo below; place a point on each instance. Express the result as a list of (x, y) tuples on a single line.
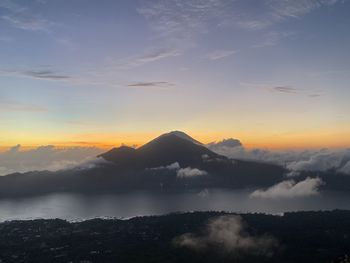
[(164, 150), (154, 166), (181, 135)]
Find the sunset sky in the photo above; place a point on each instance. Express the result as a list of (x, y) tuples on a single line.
[(272, 73)]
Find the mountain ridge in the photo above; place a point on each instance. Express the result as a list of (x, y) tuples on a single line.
[(164, 150), (130, 169)]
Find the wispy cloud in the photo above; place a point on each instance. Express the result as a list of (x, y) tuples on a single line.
[(282, 9), (273, 38), (45, 74), (254, 24), (185, 17), (276, 11), (181, 23), (21, 107), (148, 57), (154, 84), (28, 22), (41, 74), (12, 6), (314, 95), (284, 89), (220, 54), (173, 20), (22, 17), (157, 55)]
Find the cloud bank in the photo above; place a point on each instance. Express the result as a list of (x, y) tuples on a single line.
[(228, 234), (296, 161), (290, 189), (47, 158)]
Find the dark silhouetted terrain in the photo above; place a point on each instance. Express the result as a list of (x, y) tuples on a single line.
[(149, 168), (297, 237)]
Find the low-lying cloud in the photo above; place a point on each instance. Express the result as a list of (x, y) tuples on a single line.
[(296, 161), (173, 166), (322, 160), (48, 158), (228, 234), (189, 172), (290, 189)]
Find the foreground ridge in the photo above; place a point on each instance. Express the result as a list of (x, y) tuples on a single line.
[(323, 235)]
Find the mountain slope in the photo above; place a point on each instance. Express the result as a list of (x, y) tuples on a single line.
[(172, 148), (164, 150), (145, 168), (181, 135), (120, 155)]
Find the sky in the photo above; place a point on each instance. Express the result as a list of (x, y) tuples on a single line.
[(273, 73)]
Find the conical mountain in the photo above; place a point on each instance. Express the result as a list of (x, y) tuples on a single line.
[(181, 135), (168, 148)]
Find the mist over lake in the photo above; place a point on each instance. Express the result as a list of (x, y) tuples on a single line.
[(80, 207)]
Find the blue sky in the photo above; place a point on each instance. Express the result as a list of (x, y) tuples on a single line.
[(273, 73)]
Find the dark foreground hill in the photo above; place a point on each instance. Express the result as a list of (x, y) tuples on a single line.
[(190, 237)]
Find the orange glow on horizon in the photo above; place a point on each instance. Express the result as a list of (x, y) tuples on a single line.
[(110, 140)]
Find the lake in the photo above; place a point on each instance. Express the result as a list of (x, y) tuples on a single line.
[(80, 207)]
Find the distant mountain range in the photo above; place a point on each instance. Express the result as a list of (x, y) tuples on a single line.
[(171, 162)]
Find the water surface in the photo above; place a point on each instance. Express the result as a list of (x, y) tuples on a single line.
[(79, 207)]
